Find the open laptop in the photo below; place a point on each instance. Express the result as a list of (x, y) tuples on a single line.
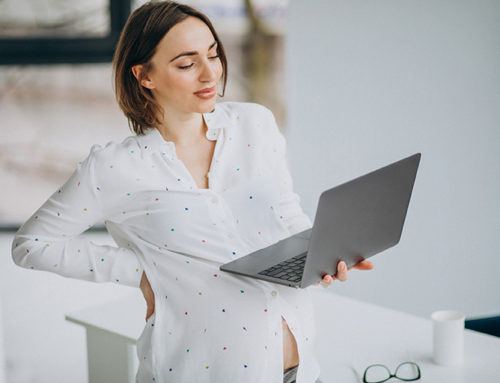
[(353, 222)]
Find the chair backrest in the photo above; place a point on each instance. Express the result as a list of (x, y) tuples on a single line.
[(488, 325)]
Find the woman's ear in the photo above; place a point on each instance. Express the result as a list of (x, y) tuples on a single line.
[(145, 80)]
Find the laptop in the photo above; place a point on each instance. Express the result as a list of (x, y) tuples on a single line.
[(353, 222)]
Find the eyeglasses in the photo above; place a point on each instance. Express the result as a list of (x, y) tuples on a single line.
[(378, 373)]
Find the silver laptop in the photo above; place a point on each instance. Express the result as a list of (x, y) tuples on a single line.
[(353, 222)]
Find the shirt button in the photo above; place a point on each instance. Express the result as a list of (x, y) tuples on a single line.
[(274, 293), (214, 199), (211, 134), (230, 235)]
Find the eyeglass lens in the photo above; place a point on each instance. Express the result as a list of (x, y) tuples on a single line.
[(378, 373), (407, 371)]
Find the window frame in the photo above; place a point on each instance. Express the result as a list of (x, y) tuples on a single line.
[(67, 50)]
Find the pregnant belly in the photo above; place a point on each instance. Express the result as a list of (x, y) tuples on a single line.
[(290, 352)]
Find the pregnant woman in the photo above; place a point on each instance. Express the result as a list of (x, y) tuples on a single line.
[(199, 184)]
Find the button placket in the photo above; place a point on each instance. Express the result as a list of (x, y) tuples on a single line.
[(215, 135), (212, 204), (231, 229), (219, 209)]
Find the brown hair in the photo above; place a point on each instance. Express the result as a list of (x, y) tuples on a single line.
[(144, 29)]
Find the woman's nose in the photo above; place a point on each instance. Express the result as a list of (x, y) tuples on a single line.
[(208, 72)]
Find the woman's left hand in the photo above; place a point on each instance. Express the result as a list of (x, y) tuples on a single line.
[(342, 272)]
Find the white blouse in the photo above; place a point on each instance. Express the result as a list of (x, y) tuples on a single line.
[(208, 325)]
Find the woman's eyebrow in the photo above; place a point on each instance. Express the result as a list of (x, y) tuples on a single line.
[(192, 53)]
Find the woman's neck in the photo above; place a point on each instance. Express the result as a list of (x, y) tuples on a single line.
[(183, 129)]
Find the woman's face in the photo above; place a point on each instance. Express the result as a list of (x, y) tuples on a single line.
[(184, 63)]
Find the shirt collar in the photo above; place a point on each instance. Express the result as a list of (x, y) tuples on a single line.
[(152, 140)]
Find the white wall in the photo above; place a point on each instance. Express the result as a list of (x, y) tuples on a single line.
[(369, 82), (2, 352)]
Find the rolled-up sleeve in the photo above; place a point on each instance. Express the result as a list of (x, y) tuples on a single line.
[(51, 240), (289, 203)]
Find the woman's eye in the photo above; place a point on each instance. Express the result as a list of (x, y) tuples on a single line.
[(189, 66), (185, 67)]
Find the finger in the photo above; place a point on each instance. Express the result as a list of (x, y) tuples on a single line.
[(363, 265), (341, 271), (326, 281), (323, 282)]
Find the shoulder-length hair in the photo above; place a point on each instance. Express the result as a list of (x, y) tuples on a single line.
[(143, 30)]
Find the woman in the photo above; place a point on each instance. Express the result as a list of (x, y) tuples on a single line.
[(199, 184)]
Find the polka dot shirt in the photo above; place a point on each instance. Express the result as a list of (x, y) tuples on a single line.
[(208, 325)]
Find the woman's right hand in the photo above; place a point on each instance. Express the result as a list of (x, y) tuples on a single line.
[(149, 295)]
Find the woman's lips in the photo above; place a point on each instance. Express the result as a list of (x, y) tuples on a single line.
[(206, 93)]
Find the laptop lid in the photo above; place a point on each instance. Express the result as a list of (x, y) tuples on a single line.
[(360, 218)]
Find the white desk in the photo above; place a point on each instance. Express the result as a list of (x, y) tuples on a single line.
[(350, 336), (360, 334)]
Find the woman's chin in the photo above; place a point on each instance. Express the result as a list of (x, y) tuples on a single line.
[(206, 106)]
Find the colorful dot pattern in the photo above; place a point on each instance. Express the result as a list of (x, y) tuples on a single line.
[(215, 321)]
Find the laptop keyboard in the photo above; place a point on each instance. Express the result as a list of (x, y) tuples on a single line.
[(289, 270)]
